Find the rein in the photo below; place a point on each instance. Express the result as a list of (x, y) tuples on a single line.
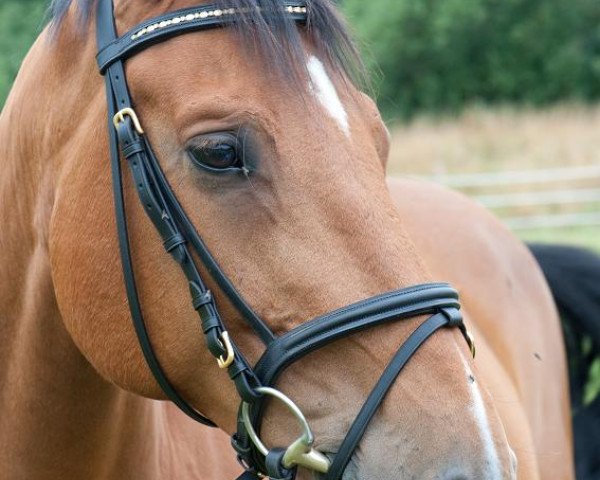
[(253, 383)]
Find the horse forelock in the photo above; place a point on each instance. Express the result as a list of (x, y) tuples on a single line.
[(270, 33)]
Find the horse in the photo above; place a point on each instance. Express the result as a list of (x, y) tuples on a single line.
[(573, 275), (259, 132)]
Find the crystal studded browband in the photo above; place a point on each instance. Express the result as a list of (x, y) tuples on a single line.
[(177, 19), (181, 21), (204, 14)]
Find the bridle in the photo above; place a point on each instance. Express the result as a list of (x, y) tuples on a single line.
[(253, 383)]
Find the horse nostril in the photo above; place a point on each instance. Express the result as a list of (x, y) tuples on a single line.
[(454, 474)]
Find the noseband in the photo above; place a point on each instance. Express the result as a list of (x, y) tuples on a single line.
[(253, 383)]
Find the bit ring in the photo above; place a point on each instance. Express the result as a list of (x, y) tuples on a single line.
[(300, 452)]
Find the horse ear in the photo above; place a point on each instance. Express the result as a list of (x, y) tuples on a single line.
[(379, 130)]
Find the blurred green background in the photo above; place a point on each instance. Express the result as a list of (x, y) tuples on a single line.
[(438, 55), (20, 23)]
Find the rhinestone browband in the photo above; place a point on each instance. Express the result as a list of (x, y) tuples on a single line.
[(201, 15)]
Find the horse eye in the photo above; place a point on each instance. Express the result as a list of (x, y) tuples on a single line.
[(216, 153)]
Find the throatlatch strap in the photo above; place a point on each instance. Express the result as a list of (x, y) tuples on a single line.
[(118, 94)]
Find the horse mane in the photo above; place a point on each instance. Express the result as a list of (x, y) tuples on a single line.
[(270, 33)]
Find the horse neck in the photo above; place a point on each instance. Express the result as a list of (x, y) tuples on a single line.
[(58, 415)]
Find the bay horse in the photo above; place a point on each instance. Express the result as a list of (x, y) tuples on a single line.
[(257, 131)]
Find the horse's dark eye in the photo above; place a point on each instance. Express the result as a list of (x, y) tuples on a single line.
[(216, 153)]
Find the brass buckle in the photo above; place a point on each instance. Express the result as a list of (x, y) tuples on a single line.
[(226, 344), (300, 452), (128, 112)]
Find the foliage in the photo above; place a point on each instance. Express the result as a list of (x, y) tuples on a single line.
[(20, 22), (437, 55), (592, 390)]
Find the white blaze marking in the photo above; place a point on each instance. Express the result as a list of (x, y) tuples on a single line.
[(513, 462), (478, 409), (323, 88)]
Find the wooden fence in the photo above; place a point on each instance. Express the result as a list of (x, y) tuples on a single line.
[(531, 199)]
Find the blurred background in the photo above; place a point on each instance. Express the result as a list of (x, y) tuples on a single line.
[(497, 98)]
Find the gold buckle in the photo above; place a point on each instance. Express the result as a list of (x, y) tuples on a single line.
[(128, 112), (226, 344)]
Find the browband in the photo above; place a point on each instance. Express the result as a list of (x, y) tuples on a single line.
[(176, 23)]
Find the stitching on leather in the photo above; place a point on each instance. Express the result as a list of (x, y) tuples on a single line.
[(336, 313), (290, 354)]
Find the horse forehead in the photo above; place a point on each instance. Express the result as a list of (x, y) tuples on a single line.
[(129, 13), (326, 93)]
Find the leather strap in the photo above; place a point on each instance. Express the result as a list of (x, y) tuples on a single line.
[(359, 426), (117, 94), (391, 306), (132, 296), (209, 262), (170, 25), (106, 34)]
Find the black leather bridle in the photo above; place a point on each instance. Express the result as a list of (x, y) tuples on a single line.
[(179, 235)]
